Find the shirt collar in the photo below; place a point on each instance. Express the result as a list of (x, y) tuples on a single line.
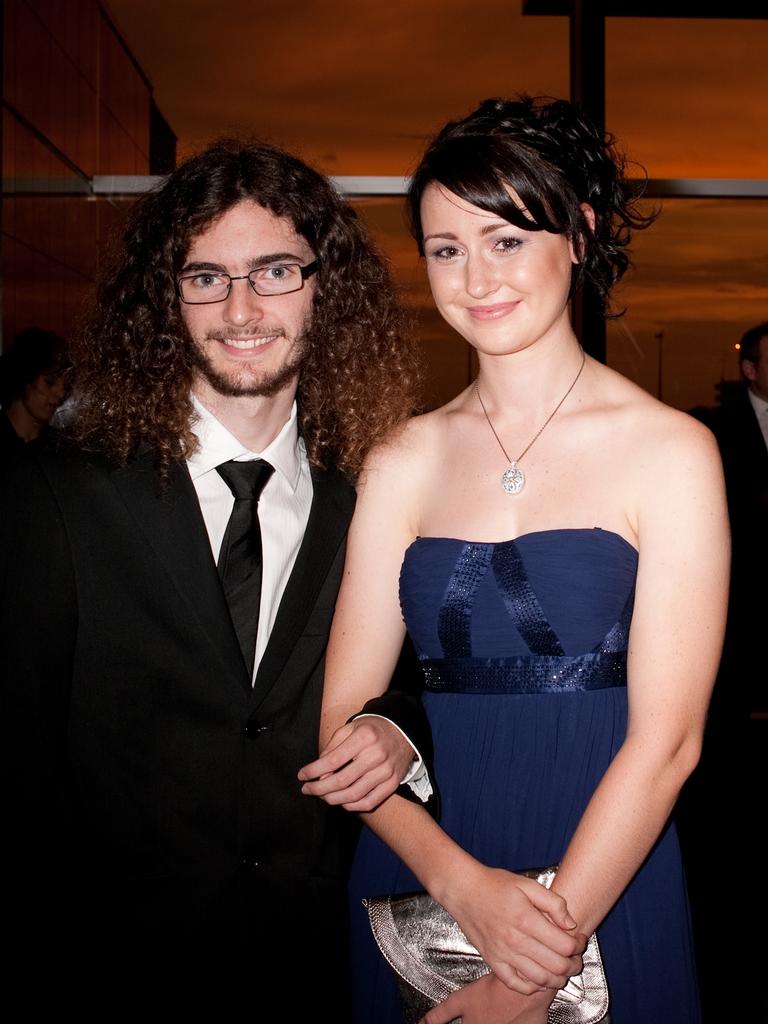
[(216, 445), (758, 404)]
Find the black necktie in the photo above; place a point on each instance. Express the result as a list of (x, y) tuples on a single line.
[(240, 556)]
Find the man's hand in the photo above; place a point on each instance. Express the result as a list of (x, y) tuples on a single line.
[(364, 763), (522, 930), (487, 1001)]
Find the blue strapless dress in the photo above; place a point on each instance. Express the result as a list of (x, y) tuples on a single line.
[(523, 645)]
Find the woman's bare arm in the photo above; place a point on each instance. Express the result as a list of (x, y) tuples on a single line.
[(674, 651)]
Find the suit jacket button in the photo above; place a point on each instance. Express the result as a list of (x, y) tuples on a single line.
[(254, 728)]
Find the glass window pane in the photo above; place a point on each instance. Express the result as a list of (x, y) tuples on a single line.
[(688, 96), (447, 355), (700, 280), (355, 88)]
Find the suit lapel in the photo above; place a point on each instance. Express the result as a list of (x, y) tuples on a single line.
[(173, 526), (756, 453), (333, 501)]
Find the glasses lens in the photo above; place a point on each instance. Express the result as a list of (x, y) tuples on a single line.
[(276, 279), (204, 287)]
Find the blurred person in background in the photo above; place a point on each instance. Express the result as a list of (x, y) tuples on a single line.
[(34, 382), (740, 425), (721, 808)]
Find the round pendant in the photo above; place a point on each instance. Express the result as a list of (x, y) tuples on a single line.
[(513, 479)]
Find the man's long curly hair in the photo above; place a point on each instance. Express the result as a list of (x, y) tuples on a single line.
[(134, 361)]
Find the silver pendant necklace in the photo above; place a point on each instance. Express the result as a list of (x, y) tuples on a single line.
[(513, 478)]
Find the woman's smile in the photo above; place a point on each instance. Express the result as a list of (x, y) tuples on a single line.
[(494, 311)]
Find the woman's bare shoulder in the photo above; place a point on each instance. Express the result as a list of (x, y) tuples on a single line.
[(414, 442), (650, 426)]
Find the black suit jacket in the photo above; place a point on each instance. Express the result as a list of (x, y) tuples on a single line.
[(745, 458), (745, 463), (153, 794)]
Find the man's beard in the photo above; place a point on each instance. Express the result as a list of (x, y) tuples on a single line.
[(229, 385)]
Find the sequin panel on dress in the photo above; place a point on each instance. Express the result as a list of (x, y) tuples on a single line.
[(455, 618), (521, 602)]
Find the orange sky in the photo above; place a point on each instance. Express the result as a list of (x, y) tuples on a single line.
[(357, 87)]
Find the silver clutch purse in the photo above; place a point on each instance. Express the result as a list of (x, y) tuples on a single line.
[(432, 958)]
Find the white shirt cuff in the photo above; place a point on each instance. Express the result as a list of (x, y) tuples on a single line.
[(417, 776)]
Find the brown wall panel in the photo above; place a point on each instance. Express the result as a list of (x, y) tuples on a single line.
[(123, 90), (74, 101), (86, 140), (72, 232), (30, 165), (27, 88), (9, 131), (44, 81), (10, 49), (39, 291), (27, 275), (117, 152), (33, 222), (86, 24)]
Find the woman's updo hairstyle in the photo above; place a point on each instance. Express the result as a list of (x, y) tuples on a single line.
[(555, 160)]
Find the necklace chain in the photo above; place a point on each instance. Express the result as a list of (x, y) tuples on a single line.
[(513, 479)]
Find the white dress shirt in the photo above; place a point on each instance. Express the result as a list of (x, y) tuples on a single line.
[(761, 411), (283, 514), (283, 506)]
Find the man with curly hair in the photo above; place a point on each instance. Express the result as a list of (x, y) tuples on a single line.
[(156, 715)]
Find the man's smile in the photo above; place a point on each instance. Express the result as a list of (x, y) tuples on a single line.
[(249, 343)]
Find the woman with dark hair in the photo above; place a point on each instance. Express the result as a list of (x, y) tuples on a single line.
[(559, 542), (33, 384)]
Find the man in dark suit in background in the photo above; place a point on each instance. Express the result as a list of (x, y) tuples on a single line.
[(740, 425), (721, 809), (246, 352)]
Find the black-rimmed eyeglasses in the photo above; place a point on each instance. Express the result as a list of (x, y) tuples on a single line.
[(206, 286)]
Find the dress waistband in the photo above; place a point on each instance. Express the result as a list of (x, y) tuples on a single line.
[(526, 674)]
